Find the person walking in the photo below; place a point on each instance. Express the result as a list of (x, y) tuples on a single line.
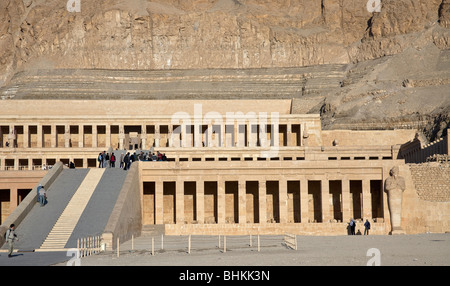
[(352, 227), (121, 161), (42, 196), (366, 227), (11, 237), (100, 160), (126, 162), (113, 160), (38, 188)]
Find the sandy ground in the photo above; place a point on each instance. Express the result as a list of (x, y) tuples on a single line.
[(400, 250)]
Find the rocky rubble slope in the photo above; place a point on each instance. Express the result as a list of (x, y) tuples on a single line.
[(397, 59)]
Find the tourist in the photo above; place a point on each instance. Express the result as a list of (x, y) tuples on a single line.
[(113, 161), (107, 160), (121, 161), (352, 227), (100, 160), (71, 165), (42, 196), (104, 159), (366, 227), (126, 161), (38, 188), (11, 237)]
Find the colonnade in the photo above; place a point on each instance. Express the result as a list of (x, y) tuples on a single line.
[(293, 200), (239, 133)]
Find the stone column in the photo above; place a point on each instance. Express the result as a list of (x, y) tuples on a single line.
[(289, 134), (157, 136), (170, 135), (26, 136), (346, 212), (2, 164), (108, 136), (262, 202), (325, 188), (30, 164), (183, 139), (94, 136), (200, 194), (304, 211), (159, 202), (282, 189), (143, 137), (242, 201), (222, 135), (121, 137), (39, 136), (53, 136), (179, 202), (235, 139), (16, 164), (367, 200), (221, 201), (12, 137), (67, 136), (13, 199), (250, 138), (80, 136), (210, 131)]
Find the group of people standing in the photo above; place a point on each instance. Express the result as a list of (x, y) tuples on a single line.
[(352, 227), (106, 160)]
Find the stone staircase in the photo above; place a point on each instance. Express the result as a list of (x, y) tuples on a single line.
[(64, 226)]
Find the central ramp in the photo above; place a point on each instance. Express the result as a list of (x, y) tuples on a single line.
[(64, 226)]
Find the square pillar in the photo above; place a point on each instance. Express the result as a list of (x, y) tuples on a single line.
[(67, 136), (39, 136), (346, 212), (304, 215), (283, 201), (94, 136), (108, 135), (159, 202), (26, 136), (367, 200), (53, 136), (81, 136), (262, 202), (220, 201), (289, 135), (179, 202), (121, 137), (200, 194), (143, 138), (242, 202), (157, 136), (325, 188), (13, 199)]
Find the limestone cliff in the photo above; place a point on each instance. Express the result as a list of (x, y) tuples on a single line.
[(379, 48)]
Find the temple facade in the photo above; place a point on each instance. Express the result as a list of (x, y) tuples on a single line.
[(233, 167)]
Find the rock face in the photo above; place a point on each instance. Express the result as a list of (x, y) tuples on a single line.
[(243, 34)]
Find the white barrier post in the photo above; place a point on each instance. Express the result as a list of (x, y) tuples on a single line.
[(189, 245)]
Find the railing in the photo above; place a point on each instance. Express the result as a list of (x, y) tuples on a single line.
[(89, 245), (290, 240)]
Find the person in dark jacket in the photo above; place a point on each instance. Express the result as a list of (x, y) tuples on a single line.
[(366, 227)]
